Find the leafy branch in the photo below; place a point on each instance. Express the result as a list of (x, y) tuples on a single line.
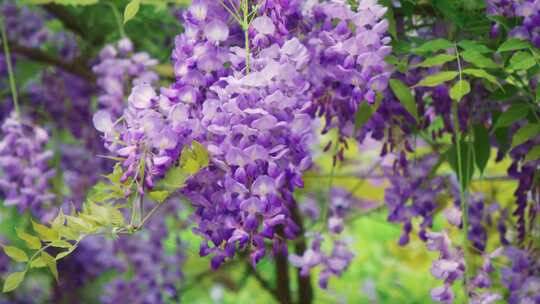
[(102, 214)]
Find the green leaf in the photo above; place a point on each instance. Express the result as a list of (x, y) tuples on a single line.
[(538, 91), (13, 281), (362, 116), (38, 263), (478, 59), (437, 79), (522, 61), (460, 89), (159, 196), (61, 244), (45, 233), (115, 176), (201, 154), (501, 135), (79, 225), (482, 148), (51, 263), (481, 74), (403, 93), (59, 220), (533, 154), (525, 133), (131, 10), (67, 233), (513, 44), (174, 179), (433, 45), (474, 46), (64, 254), (435, 60), (514, 113), (15, 253), (31, 241), (467, 164), (503, 93)]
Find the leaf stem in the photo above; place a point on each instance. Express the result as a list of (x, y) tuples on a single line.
[(149, 215), (12, 85), (118, 20), (245, 27), (462, 191)]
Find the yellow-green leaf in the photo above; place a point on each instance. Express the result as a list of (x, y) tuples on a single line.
[(522, 61), (159, 196), (435, 60), (51, 263), (478, 73), (38, 263), (460, 89), (61, 244), (63, 254), (15, 253), (403, 93), (31, 241), (59, 220), (45, 233), (131, 10), (525, 133), (533, 154), (437, 79), (514, 113), (68, 233), (433, 46), (201, 154), (79, 224), (513, 44), (13, 281), (478, 59)]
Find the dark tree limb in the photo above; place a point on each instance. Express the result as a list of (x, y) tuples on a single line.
[(69, 21), (305, 290), (75, 67), (283, 288)]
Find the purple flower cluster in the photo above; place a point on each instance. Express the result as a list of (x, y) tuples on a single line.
[(201, 52), (149, 136), (522, 277), (527, 10), (333, 264), (347, 65), (449, 267), (118, 68), (413, 184), (524, 172), (257, 133), (339, 259), (24, 165), (25, 26)]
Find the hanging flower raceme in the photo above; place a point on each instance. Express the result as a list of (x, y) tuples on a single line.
[(339, 259), (118, 68), (528, 11), (24, 166), (144, 139), (25, 25), (257, 133), (200, 54), (415, 185), (449, 267), (347, 66)]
